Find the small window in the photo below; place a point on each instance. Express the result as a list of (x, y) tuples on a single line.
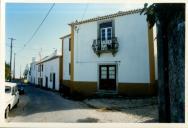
[(69, 44), (16, 88), (42, 67), (7, 89), (50, 77)]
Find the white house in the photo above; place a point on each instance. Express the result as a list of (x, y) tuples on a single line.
[(66, 51), (33, 72), (49, 72), (110, 54)]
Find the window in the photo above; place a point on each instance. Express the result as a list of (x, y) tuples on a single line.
[(16, 89), (103, 72), (69, 44), (109, 33), (103, 33), (50, 77), (106, 33), (105, 30), (42, 67), (7, 89)]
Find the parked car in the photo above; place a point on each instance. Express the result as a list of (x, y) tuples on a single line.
[(11, 97), (21, 88)]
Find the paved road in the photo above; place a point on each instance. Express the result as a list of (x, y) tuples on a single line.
[(38, 105)]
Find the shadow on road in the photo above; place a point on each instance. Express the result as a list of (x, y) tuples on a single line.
[(88, 120)]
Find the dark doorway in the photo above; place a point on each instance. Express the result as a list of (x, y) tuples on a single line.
[(46, 82), (53, 80), (107, 77)]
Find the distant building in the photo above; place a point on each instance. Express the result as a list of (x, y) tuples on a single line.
[(110, 54), (32, 78), (66, 60), (48, 72)]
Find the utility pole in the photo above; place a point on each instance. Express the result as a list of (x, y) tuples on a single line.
[(14, 66), (11, 39)]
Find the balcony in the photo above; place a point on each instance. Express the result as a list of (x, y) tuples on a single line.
[(105, 46)]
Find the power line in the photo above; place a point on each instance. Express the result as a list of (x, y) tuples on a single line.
[(30, 49), (84, 11), (37, 29)]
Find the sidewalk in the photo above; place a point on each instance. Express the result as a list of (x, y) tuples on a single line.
[(144, 108), (120, 103)]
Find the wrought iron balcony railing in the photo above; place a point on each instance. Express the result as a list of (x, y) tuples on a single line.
[(104, 46)]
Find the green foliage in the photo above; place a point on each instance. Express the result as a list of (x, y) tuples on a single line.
[(164, 12), (26, 71), (7, 71)]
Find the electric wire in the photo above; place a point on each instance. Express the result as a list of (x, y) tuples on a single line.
[(37, 29)]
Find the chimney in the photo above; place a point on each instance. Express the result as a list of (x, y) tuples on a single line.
[(55, 52), (33, 59)]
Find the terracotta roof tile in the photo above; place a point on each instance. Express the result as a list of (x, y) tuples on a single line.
[(120, 13)]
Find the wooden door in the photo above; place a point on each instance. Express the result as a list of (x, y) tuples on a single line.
[(107, 77)]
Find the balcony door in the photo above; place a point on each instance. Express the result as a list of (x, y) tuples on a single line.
[(107, 77), (106, 33)]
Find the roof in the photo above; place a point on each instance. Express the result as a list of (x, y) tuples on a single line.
[(65, 36), (45, 59), (120, 13)]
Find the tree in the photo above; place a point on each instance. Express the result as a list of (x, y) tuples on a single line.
[(26, 71), (7, 71), (170, 23)]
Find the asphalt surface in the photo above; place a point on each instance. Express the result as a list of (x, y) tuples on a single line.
[(39, 105)]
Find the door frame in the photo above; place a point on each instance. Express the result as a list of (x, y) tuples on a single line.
[(98, 79), (53, 81)]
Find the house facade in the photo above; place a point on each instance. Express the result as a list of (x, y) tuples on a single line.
[(49, 72), (66, 54), (32, 78), (110, 54)]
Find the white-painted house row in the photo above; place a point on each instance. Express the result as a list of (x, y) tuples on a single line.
[(112, 53), (48, 72)]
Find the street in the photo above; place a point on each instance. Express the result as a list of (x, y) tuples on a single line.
[(38, 105)]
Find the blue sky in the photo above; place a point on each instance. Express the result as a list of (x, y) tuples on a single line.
[(23, 19)]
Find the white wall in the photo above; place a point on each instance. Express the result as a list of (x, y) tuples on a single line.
[(66, 59), (51, 66), (34, 70), (132, 57)]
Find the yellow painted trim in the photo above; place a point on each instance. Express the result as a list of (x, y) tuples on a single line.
[(62, 67), (128, 89), (60, 70), (151, 55), (72, 53)]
